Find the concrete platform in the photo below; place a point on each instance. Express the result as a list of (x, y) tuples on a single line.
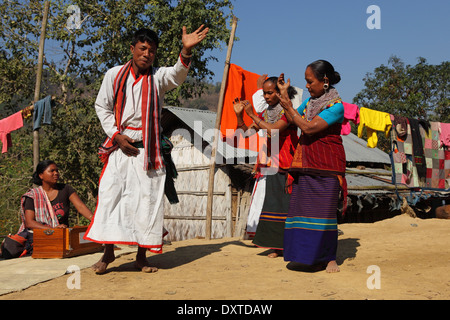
[(21, 273)]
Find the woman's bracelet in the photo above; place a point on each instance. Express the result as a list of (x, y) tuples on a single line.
[(259, 122)]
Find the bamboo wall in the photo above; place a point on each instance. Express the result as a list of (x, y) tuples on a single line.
[(187, 219)]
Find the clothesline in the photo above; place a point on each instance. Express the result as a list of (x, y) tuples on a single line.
[(26, 112), (378, 121), (42, 109), (420, 149)]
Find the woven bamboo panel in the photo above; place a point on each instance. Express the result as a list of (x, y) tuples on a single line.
[(192, 188), (180, 230), (243, 206)]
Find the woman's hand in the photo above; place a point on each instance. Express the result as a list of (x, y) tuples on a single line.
[(238, 107), (285, 102), (243, 105), (248, 108), (260, 81), (282, 84)]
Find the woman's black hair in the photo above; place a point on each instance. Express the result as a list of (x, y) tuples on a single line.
[(40, 168), (291, 90), (145, 35), (322, 68)]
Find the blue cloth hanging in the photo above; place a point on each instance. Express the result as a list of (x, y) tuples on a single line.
[(42, 108)]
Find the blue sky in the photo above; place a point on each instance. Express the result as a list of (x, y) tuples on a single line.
[(285, 36)]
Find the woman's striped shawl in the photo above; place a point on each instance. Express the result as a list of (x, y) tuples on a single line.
[(42, 208)]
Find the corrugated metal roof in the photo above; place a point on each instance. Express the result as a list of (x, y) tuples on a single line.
[(373, 180), (356, 150), (203, 123)]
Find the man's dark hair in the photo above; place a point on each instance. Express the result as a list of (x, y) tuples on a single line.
[(145, 35)]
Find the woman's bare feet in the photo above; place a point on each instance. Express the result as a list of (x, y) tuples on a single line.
[(107, 258), (332, 267), (275, 254)]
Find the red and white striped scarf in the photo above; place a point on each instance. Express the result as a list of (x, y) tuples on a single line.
[(151, 125), (43, 210)]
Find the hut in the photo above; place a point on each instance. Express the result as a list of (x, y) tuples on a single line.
[(191, 132)]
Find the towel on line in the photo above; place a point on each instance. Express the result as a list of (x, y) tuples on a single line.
[(42, 108)]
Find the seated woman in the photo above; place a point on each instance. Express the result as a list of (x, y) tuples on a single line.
[(47, 206)]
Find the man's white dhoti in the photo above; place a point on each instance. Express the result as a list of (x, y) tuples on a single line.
[(130, 208)]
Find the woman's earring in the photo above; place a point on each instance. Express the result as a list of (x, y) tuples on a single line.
[(326, 86)]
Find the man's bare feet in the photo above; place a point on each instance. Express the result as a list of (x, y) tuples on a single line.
[(145, 267), (332, 267), (107, 258), (142, 263)]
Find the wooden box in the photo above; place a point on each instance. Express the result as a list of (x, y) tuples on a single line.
[(62, 243)]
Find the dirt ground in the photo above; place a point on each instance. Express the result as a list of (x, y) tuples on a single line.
[(401, 258)]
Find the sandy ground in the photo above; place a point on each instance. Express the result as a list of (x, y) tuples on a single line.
[(411, 259)]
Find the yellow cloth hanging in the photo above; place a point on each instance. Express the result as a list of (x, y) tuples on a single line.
[(374, 121)]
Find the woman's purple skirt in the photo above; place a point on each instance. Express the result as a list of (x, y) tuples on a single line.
[(311, 233)]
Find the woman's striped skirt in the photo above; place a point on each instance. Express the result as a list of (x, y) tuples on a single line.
[(311, 233), (270, 230)]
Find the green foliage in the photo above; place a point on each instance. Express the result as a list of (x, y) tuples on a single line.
[(420, 91), (208, 100), (74, 64), (16, 168)]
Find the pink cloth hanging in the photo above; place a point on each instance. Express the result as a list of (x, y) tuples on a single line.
[(351, 113), (7, 126), (445, 134)]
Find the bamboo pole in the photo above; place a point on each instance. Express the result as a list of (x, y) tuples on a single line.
[(37, 88), (361, 188), (216, 134), (371, 173), (196, 218)]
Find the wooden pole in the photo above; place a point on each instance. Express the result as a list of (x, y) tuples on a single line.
[(216, 133), (37, 88)]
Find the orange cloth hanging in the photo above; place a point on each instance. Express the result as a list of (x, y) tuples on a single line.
[(240, 84)]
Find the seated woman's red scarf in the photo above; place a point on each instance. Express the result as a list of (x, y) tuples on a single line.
[(151, 130)]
